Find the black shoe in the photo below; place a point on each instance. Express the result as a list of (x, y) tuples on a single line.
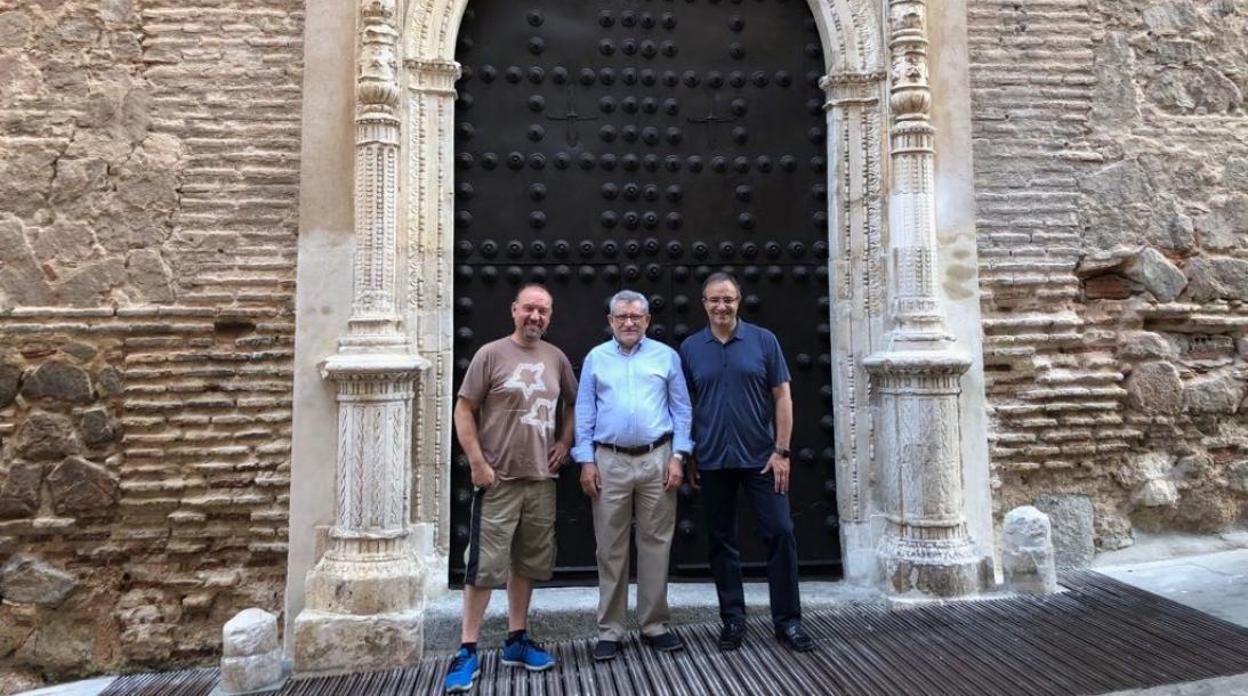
[(794, 638), (731, 636), (606, 650), (664, 642)]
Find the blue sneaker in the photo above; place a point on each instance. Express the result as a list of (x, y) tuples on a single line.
[(465, 669), (527, 654)]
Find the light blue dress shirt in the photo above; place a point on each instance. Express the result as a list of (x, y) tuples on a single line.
[(631, 399)]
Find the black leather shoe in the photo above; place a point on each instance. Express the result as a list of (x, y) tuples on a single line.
[(731, 636), (606, 650), (794, 638), (664, 642)]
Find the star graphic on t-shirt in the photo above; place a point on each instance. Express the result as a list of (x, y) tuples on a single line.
[(541, 414), (527, 377)]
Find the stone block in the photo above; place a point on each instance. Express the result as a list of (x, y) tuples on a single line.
[(109, 381), (328, 643), (1237, 476), (1027, 555), (46, 436), (251, 674), (98, 427), (9, 376), (1222, 228), (1157, 492), (251, 632), (1157, 274), (1155, 388), (1071, 519), (252, 656), (1213, 278), (20, 495), (15, 29), (82, 351), (16, 680), (1216, 394), (1145, 345), (13, 632), (150, 276), (58, 380), (77, 485), (31, 580)]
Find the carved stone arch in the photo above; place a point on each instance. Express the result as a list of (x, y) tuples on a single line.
[(849, 29)]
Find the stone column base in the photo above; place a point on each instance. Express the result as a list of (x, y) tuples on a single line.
[(339, 586), (957, 575), (328, 643)]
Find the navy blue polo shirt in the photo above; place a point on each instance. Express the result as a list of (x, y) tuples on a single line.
[(734, 412)]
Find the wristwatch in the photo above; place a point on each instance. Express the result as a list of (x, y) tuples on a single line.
[(680, 456), (784, 451)]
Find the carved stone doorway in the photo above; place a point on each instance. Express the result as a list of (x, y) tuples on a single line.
[(892, 203), (606, 144)]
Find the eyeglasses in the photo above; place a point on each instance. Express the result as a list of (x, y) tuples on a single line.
[(721, 300), (626, 318)]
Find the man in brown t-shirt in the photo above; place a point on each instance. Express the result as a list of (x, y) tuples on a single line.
[(505, 418)]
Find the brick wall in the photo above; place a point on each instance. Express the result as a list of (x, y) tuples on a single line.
[(1110, 171), (148, 203)]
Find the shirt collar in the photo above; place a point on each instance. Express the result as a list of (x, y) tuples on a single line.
[(736, 333), (636, 349)]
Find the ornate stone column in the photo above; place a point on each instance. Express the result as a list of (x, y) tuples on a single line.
[(429, 313), (925, 549), (364, 601)]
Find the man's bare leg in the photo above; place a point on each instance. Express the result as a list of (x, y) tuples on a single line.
[(519, 592), (476, 599)]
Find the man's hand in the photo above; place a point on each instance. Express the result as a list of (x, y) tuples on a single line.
[(674, 474), (590, 483), (779, 467), (557, 454), (482, 475)]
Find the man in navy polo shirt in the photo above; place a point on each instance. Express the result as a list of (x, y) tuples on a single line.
[(742, 420)]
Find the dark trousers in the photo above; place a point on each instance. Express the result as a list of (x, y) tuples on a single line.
[(775, 525)]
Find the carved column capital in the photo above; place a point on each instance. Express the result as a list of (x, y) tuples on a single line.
[(854, 88), (433, 76), (377, 65), (910, 94)]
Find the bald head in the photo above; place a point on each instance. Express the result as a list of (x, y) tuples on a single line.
[(530, 312)]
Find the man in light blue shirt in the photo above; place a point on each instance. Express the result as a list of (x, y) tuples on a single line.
[(633, 418)]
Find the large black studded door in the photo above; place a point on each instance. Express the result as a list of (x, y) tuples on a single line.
[(603, 144)]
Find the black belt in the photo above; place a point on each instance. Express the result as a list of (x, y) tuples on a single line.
[(639, 449)]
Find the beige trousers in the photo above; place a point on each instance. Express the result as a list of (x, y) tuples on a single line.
[(633, 484)]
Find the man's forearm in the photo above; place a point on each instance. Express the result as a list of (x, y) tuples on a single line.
[(568, 431), (784, 418), (784, 422), (466, 430)]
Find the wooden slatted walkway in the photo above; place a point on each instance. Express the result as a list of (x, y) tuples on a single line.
[(1099, 636)]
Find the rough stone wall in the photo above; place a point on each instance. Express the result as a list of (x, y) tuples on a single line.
[(148, 203), (1111, 160)]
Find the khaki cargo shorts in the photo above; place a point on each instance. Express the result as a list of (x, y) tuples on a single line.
[(512, 531)]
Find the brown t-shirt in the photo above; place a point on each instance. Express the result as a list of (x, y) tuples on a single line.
[(518, 391)]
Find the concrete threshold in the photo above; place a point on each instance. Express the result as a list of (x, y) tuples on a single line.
[(564, 613)]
